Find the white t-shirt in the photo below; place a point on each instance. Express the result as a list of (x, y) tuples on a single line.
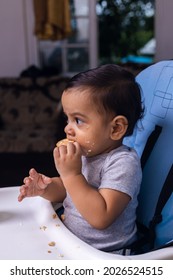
[(119, 170)]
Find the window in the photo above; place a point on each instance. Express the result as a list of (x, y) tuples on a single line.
[(78, 52)]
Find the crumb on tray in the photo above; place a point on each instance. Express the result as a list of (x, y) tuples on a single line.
[(52, 243), (43, 227), (54, 216)]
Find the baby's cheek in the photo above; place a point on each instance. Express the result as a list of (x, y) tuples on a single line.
[(89, 147)]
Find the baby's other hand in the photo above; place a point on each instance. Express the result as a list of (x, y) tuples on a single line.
[(34, 185)]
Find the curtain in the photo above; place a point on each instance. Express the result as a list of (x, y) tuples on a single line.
[(52, 19)]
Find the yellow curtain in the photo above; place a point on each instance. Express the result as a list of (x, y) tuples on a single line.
[(52, 19)]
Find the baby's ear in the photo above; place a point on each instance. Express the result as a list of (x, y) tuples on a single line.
[(119, 126)]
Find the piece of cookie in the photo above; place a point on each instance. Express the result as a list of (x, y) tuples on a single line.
[(63, 142)]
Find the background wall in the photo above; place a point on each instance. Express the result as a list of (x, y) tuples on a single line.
[(18, 46), (163, 29)]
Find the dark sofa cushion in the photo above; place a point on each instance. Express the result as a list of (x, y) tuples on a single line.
[(30, 113)]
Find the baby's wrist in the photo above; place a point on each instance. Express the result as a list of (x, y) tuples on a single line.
[(71, 181)]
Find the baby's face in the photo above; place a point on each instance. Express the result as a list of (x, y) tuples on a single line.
[(85, 124)]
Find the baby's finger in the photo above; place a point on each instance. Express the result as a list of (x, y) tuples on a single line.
[(22, 194), (38, 180), (44, 182), (62, 150), (71, 148), (20, 197), (56, 153), (78, 148), (34, 174), (27, 181)]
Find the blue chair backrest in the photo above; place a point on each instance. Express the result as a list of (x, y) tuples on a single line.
[(156, 83)]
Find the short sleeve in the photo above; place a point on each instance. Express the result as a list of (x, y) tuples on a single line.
[(122, 172)]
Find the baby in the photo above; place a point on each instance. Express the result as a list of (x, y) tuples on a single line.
[(99, 177)]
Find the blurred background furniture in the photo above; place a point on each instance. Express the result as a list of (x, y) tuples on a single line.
[(31, 122)]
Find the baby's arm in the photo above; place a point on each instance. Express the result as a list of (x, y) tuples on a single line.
[(37, 184), (99, 207)]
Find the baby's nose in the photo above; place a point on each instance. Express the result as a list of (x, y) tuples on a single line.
[(69, 130)]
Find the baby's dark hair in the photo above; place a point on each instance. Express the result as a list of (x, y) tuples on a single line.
[(113, 89)]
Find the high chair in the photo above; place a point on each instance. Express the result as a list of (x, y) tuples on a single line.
[(32, 230)]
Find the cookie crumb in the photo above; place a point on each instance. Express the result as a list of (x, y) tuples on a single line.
[(62, 217), (54, 216), (52, 243), (43, 227)]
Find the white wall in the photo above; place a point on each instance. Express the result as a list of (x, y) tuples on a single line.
[(164, 29), (18, 46)]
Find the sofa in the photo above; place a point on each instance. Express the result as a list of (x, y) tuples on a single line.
[(31, 122)]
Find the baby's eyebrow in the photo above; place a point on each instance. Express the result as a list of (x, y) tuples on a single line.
[(75, 113), (78, 114)]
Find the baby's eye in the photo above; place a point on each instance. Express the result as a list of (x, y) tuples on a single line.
[(78, 121)]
